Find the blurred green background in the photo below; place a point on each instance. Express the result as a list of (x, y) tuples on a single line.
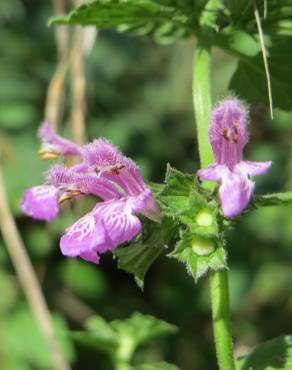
[(139, 97)]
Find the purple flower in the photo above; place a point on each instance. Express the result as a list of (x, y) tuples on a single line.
[(104, 172), (53, 145), (228, 136), (40, 202)]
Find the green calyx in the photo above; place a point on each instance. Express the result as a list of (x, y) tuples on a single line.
[(200, 244)]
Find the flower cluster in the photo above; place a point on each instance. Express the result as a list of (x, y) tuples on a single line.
[(228, 136), (103, 171)]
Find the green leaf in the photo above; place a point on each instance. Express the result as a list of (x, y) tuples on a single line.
[(164, 23), (275, 354), (183, 199), (249, 80), (114, 336), (242, 13), (209, 17), (275, 199), (200, 254), (176, 193), (156, 366), (142, 328), (99, 334), (138, 257), (112, 13), (278, 22), (169, 20), (161, 32), (244, 43), (156, 188), (179, 183)]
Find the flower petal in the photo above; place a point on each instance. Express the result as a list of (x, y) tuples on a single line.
[(102, 154), (235, 192), (40, 202), (82, 237), (228, 132), (90, 256), (119, 222), (69, 181), (146, 205), (110, 163), (254, 168), (55, 144), (91, 184), (213, 172)]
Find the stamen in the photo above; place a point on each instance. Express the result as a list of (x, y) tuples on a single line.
[(113, 170), (47, 155), (69, 194), (116, 169), (63, 198), (231, 134), (225, 134)]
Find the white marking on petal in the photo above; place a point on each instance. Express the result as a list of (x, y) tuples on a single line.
[(119, 222), (43, 192), (83, 236), (40, 202)]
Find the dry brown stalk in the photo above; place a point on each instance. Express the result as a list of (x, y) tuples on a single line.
[(27, 278)]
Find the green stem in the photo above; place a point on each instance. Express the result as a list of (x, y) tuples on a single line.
[(122, 366), (124, 353), (218, 279), (202, 97), (221, 319)]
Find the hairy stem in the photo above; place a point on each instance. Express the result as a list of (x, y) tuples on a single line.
[(221, 319), (28, 279), (218, 279)]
